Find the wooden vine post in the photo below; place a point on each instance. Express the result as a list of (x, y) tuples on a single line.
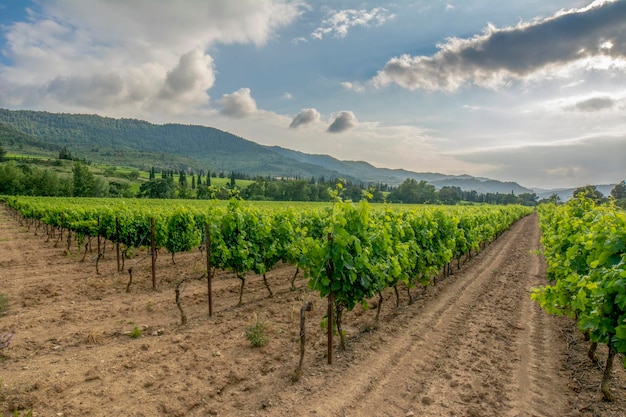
[(153, 253), (209, 270), (330, 270), (306, 307), (117, 243), (99, 248)]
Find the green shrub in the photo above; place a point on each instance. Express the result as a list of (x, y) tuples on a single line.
[(136, 332), (254, 334)]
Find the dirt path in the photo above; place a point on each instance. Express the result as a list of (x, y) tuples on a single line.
[(473, 345), (476, 348)]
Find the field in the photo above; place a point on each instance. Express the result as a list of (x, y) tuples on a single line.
[(472, 345)]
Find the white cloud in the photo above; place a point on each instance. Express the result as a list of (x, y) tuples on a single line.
[(352, 86), (498, 55), (238, 104), (339, 22), (345, 120), (111, 57)]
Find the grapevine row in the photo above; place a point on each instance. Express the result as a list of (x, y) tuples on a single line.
[(349, 252), (585, 248)]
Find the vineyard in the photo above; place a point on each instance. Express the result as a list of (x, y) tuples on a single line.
[(349, 252), (149, 307)]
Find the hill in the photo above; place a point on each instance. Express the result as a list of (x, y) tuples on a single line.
[(140, 144)]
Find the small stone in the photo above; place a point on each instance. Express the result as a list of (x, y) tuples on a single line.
[(91, 375), (410, 414), (427, 401)]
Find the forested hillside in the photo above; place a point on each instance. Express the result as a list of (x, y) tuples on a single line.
[(143, 145), (11, 137)]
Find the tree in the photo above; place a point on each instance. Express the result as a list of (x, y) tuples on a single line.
[(10, 179), (205, 192), (65, 154), (83, 181), (2, 153), (619, 191), (590, 192), (450, 195), (182, 179), (527, 199), (619, 194), (413, 192), (159, 188), (352, 193), (42, 182)]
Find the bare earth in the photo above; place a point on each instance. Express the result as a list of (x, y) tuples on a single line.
[(472, 345)]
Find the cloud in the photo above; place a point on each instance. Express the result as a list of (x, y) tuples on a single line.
[(92, 90), (194, 73), (340, 21), (146, 87), (345, 120), (111, 57), (305, 117), (592, 160), (490, 60), (594, 104), (358, 87), (238, 104)]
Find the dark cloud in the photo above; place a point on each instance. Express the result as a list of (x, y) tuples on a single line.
[(305, 117), (490, 58), (594, 104), (238, 104), (345, 120)]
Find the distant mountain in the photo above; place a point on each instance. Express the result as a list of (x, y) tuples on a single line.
[(366, 172), (567, 193), (141, 144)]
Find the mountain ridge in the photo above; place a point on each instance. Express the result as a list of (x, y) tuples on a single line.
[(142, 144)]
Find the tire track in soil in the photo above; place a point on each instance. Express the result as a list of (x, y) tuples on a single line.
[(480, 347)]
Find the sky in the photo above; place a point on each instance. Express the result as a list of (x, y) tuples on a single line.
[(531, 91)]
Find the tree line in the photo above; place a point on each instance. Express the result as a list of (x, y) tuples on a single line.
[(27, 179)]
